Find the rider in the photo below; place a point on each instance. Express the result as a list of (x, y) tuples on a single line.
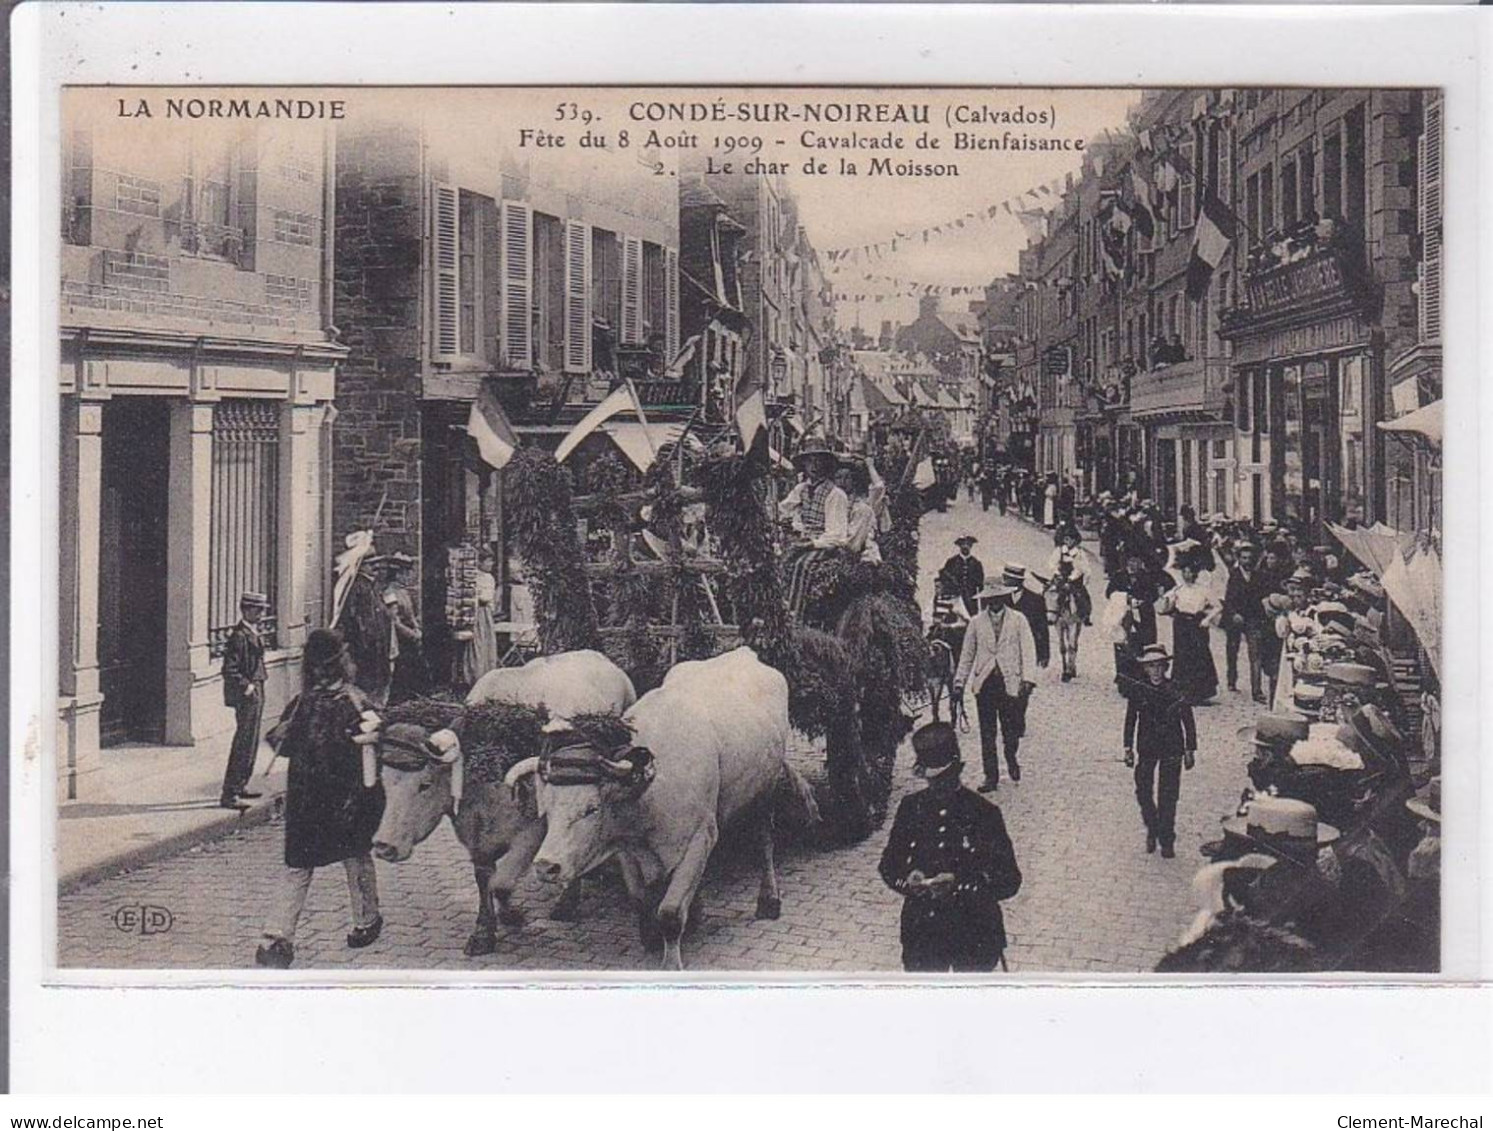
[(1070, 550)]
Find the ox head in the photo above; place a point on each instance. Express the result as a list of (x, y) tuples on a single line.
[(587, 795), (422, 777)]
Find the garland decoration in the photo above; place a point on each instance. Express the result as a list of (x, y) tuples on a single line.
[(536, 499)]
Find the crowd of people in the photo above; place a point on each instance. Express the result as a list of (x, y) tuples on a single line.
[(1338, 761)]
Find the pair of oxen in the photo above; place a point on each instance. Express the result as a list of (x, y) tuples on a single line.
[(708, 749)]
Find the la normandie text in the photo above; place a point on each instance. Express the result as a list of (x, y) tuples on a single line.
[(283, 109)]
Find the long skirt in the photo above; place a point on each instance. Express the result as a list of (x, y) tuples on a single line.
[(480, 653), (1193, 670)]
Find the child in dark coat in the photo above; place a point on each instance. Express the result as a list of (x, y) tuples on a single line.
[(1160, 741), (331, 812)]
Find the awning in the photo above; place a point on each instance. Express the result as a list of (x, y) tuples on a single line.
[(1375, 546), (642, 444), (1425, 423), (1415, 588)]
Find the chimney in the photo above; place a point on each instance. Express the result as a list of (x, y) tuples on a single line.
[(928, 306)]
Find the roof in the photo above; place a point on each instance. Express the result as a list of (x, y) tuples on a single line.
[(875, 400), (695, 193), (947, 400), (961, 324)]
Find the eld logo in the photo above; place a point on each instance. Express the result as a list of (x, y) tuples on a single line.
[(143, 919)]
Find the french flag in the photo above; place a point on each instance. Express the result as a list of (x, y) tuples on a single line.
[(1211, 240)]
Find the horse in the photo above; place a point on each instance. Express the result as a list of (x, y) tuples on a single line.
[(944, 644), (1069, 614)]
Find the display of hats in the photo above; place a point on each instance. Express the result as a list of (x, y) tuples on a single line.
[(1369, 731), (1426, 804), (1276, 728), (1277, 821), (1326, 750), (1351, 675), (1308, 694)]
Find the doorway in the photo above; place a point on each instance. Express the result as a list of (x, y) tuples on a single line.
[(132, 570), (1166, 476)]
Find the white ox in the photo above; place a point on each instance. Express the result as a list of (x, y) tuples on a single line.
[(499, 827), (711, 748)]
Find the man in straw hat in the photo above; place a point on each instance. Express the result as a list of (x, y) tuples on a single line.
[(1160, 741), (999, 660), (244, 675), (950, 858)]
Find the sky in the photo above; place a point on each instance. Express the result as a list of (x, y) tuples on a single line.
[(969, 256)]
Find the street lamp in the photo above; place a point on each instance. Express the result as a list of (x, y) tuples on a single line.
[(779, 370)]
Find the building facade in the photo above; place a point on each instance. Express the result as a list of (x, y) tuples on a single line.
[(198, 369), (539, 278), (1248, 378)]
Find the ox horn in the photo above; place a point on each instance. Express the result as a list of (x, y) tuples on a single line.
[(444, 746), (520, 771)]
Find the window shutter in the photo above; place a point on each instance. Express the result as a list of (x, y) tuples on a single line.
[(518, 280), (1226, 166), (445, 220), (632, 290), (671, 302), (1429, 273), (577, 297), (1187, 189)]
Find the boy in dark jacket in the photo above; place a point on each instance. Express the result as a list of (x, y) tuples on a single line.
[(243, 689), (951, 859), (1160, 741)]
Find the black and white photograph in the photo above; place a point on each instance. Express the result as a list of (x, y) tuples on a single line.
[(771, 531)]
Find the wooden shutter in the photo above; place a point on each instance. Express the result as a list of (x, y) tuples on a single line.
[(671, 303), (577, 297), (1225, 165), (1188, 185), (445, 232), (518, 285), (1429, 221), (632, 290)]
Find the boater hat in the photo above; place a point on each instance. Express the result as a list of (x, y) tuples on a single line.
[(1154, 654), (1283, 826), (1276, 729), (257, 600), (811, 449), (994, 589)]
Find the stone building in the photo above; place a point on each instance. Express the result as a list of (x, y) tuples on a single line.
[(539, 277), (198, 367)]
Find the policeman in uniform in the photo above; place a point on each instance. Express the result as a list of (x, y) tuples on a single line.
[(962, 574), (243, 690), (951, 860)]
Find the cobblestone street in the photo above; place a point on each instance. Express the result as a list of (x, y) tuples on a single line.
[(1092, 900)]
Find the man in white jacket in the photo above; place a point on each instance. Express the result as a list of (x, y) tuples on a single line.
[(999, 661)]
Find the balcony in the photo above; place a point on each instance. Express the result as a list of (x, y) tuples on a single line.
[(1195, 389), (1303, 281)]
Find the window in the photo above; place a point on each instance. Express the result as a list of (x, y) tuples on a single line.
[(1355, 171), (1306, 181), (1186, 472), (549, 293), (1288, 213), (243, 550), (1252, 207), (1187, 185), (1332, 174), (1428, 220), (1267, 201), (464, 273), (1243, 413)]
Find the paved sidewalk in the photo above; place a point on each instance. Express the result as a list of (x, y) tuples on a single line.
[(149, 802)]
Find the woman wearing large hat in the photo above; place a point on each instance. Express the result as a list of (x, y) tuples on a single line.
[(1194, 610), (819, 511)]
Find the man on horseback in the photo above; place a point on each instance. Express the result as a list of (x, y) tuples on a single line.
[(1067, 571)]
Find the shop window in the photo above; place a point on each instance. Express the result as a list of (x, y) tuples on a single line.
[(243, 541)]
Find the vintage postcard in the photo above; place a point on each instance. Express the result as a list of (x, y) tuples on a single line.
[(832, 531)]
